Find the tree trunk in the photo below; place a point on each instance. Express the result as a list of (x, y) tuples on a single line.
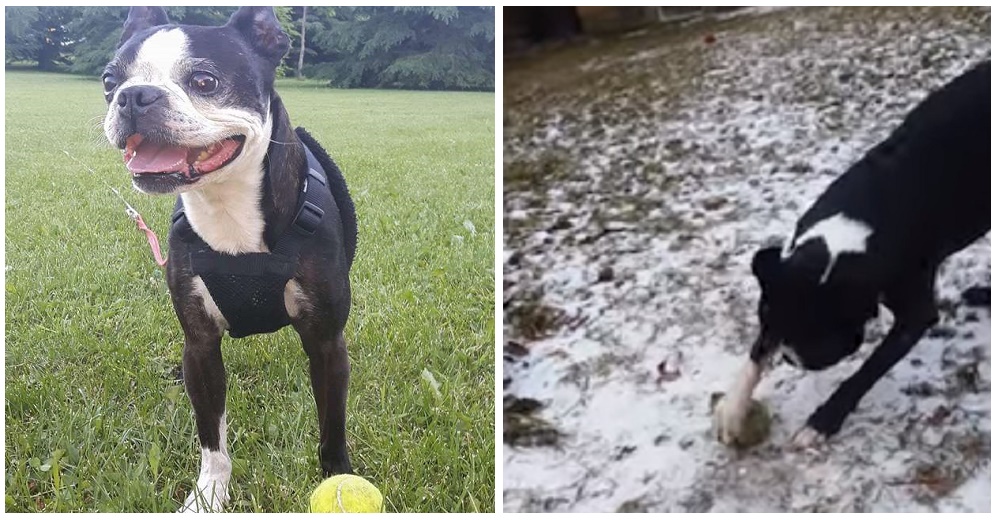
[(47, 55), (301, 50)]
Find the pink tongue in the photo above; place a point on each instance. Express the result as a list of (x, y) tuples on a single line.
[(156, 158)]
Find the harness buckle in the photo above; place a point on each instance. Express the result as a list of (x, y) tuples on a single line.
[(317, 176), (308, 219)]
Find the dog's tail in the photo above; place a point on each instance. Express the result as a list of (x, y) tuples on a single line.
[(338, 186)]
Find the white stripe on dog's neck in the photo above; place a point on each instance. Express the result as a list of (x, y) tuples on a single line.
[(841, 234), (226, 213)]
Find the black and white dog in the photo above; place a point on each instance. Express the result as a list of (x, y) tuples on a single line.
[(264, 232), (876, 235)]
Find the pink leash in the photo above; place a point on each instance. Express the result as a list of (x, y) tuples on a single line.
[(154, 243)]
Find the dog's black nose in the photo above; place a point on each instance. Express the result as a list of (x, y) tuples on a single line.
[(139, 98)]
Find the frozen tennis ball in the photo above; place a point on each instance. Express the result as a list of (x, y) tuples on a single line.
[(346, 494), (755, 426)]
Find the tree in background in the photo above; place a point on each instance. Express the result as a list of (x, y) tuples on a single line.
[(97, 30), (301, 44), (437, 48), (311, 21), (38, 34), (20, 41)]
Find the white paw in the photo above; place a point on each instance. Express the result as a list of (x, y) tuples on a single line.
[(210, 497), (730, 412), (212, 491), (807, 439), (730, 415)]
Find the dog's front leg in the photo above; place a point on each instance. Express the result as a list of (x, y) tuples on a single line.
[(730, 413), (205, 381), (915, 312)]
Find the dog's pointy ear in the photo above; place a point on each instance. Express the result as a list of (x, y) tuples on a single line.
[(140, 18), (260, 27), (766, 264)]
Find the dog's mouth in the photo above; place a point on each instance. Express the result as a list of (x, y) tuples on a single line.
[(147, 157)]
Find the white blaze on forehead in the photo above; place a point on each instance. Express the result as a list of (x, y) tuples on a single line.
[(840, 233), (158, 56)]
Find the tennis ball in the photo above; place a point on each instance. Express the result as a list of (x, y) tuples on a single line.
[(346, 494), (755, 426)]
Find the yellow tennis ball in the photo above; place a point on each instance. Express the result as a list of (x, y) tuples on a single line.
[(346, 494)]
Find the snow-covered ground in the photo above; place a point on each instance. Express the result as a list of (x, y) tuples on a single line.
[(640, 176)]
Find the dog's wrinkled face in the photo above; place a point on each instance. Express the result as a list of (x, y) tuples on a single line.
[(191, 105), (816, 323)]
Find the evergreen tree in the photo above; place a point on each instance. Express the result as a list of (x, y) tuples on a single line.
[(97, 31), (38, 34), (438, 48), (407, 47)]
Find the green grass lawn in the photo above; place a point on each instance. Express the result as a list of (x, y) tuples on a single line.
[(95, 418)]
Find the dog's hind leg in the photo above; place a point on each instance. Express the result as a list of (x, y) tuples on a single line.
[(329, 369), (912, 302), (205, 381)]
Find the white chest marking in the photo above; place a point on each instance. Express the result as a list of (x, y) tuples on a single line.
[(840, 233), (227, 215), (225, 210)]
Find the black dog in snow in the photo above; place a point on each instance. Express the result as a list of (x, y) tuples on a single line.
[(877, 235)]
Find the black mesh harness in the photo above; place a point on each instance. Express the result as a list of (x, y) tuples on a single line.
[(248, 288)]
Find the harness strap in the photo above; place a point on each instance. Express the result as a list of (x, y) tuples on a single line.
[(310, 213), (247, 264)]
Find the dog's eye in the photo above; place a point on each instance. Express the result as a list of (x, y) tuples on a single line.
[(110, 83), (204, 82)]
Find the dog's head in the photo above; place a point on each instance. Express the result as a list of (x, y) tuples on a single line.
[(813, 320), (190, 105)]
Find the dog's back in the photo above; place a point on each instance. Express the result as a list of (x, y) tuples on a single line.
[(338, 185), (925, 190)]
